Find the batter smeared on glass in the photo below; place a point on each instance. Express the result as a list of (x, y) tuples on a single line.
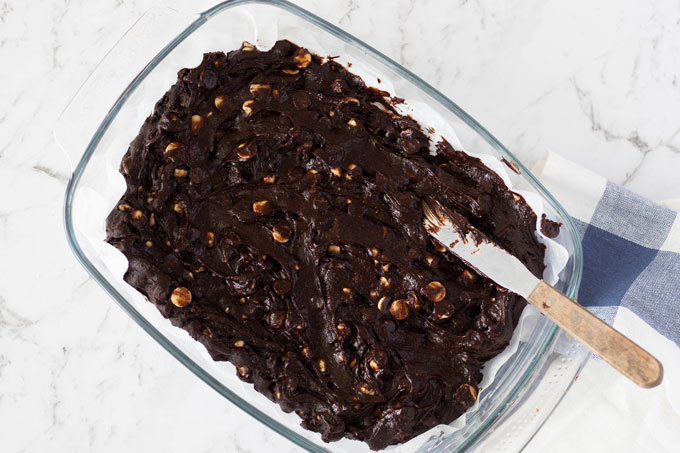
[(273, 210)]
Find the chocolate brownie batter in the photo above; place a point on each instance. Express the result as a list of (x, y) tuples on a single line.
[(273, 210)]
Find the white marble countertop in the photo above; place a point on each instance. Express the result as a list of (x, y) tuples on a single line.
[(599, 84)]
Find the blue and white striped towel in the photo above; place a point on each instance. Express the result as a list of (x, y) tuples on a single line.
[(631, 279)]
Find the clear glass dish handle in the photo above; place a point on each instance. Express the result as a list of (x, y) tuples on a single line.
[(120, 66)]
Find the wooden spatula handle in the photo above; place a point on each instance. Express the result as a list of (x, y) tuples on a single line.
[(620, 352)]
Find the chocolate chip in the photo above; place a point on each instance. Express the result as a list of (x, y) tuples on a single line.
[(281, 233), (277, 319), (301, 100), (399, 309), (209, 79), (282, 287), (434, 291)]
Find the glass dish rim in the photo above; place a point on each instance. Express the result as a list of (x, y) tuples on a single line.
[(577, 265)]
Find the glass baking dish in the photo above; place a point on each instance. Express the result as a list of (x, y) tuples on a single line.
[(105, 115)]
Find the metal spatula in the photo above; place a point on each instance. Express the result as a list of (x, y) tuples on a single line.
[(480, 252)]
